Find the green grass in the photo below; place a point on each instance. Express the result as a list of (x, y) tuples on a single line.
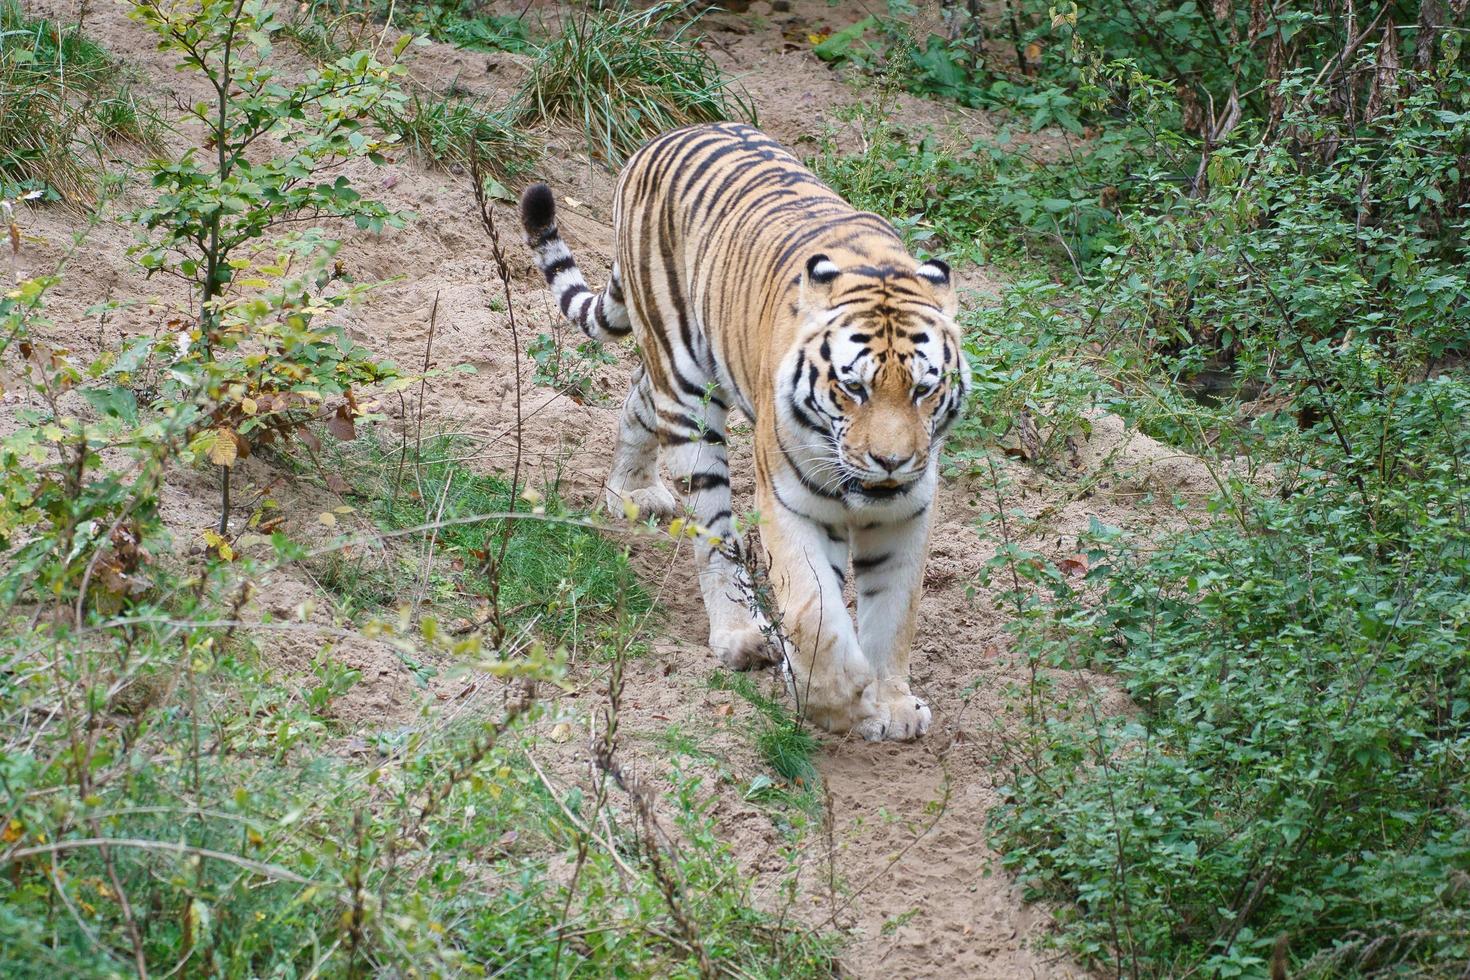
[(625, 76), (565, 582), (784, 744), (62, 97), (447, 133)]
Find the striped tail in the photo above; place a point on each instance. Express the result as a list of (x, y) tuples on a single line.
[(602, 316)]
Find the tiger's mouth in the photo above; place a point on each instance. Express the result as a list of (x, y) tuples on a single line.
[(883, 489)]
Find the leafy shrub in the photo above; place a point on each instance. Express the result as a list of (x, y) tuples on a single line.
[(1303, 685), (1298, 658), (572, 369), (625, 76)]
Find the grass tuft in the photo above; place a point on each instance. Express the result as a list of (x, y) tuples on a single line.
[(624, 77), (784, 743), (561, 581), (446, 133), (61, 99)]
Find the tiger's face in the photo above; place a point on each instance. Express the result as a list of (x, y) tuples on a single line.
[(885, 374)]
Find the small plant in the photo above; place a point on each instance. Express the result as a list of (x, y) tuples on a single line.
[(785, 744), (571, 369), (209, 222), (625, 76)]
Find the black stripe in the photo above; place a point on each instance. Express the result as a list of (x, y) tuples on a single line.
[(559, 266), (869, 562), (697, 482), (570, 296)]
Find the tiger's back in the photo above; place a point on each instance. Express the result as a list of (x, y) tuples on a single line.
[(713, 224)]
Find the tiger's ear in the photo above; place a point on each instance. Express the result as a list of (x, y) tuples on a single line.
[(936, 273), (821, 270), (817, 279)]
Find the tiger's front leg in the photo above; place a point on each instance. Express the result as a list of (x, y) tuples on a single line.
[(832, 682), (888, 563)]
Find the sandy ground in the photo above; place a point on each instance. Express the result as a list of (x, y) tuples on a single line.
[(904, 873)]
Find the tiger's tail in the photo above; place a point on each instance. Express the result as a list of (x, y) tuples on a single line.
[(602, 316)]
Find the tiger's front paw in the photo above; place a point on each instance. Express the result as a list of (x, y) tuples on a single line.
[(655, 501), (898, 716), (743, 648)]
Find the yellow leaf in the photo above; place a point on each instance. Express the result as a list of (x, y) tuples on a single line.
[(676, 527), (398, 384), (561, 732), (630, 509), (248, 406), (222, 450), (328, 518)]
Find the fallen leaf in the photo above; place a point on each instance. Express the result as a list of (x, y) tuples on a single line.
[(1073, 565), (340, 424), (561, 732), (328, 518)]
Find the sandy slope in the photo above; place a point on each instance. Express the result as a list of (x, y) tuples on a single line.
[(904, 870)]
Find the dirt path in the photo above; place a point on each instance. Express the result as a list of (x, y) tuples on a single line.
[(902, 867)]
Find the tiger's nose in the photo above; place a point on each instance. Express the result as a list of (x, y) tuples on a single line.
[(889, 463)]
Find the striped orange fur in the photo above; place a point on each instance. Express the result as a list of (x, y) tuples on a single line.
[(748, 284)]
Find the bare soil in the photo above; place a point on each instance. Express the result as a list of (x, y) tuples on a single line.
[(902, 870)]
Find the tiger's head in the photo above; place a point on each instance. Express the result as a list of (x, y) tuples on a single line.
[(881, 371)]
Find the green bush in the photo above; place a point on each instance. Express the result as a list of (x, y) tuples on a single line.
[(1299, 657)]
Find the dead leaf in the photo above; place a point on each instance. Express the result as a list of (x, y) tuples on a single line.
[(725, 710), (336, 484), (340, 424), (1073, 564), (561, 732)]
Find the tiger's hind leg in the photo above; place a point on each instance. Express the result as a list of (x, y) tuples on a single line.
[(694, 441), (635, 478)]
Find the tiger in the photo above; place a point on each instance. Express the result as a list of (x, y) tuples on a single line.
[(749, 284)]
